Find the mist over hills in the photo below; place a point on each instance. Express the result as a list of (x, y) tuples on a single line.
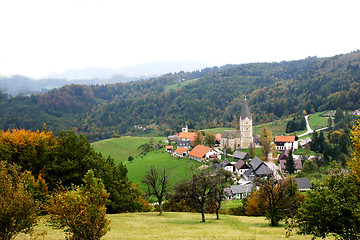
[(17, 84)]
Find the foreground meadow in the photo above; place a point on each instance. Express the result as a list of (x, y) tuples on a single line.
[(179, 226)]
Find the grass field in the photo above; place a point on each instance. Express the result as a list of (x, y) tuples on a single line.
[(179, 85), (121, 148), (181, 226), (317, 122), (178, 167)]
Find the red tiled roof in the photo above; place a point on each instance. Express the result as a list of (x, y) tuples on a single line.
[(181, 150), (284, 138), (199, 151), (190, 135), (218, 137), (169, 147)]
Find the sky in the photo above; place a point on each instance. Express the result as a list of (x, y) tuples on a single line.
[(39, 37)]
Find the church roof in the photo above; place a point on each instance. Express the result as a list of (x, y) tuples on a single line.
[(231, 134), (245, 112)]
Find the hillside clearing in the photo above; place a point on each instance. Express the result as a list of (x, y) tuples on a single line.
[(181, 226)]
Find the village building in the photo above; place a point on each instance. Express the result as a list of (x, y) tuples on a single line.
[(285, 143), (181, 152), (238, 191), (303, 184), (184, 144), (241, 167), (169, 148), (201, 153), (238, 155), (242, 138), (187, 136)]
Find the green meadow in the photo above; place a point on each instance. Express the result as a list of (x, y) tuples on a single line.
[(318, 121), (121, 148), (179, 226)]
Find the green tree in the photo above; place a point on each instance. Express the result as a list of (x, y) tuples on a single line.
[(157, 183), (18, 208), (81, 212), (209, 139), (198, 138), (290, 164), (252, 150), (332, 208), (266, 140), (339, 115)]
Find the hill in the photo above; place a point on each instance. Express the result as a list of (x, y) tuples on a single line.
[(203, 99)]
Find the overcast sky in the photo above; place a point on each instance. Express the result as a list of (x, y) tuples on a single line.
[(38, 37)]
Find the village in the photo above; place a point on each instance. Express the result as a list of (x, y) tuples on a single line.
[(242, 168)]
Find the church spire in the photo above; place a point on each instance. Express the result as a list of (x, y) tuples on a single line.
[(245, 112)]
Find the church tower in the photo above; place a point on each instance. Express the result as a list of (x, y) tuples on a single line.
[(246, 134), (185, 128)]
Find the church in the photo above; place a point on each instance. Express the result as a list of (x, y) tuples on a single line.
[(242, 138)]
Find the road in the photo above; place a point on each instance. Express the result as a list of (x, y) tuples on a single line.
[(308, 128)]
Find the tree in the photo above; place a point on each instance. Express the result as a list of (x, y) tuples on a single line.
[(130, 158), (218, 194), (81, 212), (339, 115), (18, 208), (157, 183), (197, 192), (354, 164), (209, 139), (332, 208), (252, 150), (277, 199), (266, 139), (198, 138), (290, 164)]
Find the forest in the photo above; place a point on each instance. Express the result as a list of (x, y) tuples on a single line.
[(212, 98)]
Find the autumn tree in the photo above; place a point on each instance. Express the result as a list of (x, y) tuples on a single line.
[(266, 141), (81, 211), (18, 207), (209, 139), (354, 164), (198, 138), (157, 183), (276, 199)]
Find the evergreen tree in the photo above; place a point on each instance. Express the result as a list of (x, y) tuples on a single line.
[(290, 164)]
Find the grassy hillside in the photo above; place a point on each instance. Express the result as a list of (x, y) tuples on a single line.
[(317, 120), (121, 148), (181, 226), (179, 85)]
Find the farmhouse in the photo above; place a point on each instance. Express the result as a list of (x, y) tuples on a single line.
[(260, 168), (184, 144), (285, 142), (187, 136), (238, 191), (169, 148), (181, 152), (303, 184), (240, 156), (241, 167), (200, 153)]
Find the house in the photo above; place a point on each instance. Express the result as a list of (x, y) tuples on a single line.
[(181, 152), (357, 112), (173, 138), (284, 155), (303, 184), (260, 168), (241, 167), (303, 142), (285, 142), (229, 167), (249, 175), (169, 148), (184, 144), (200, 153), (238, 191), (238, 155), (187, 136)]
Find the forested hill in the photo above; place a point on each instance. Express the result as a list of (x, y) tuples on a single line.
[(209, 98)]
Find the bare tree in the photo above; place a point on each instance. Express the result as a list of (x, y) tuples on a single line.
[(157, 183), (198, 191)]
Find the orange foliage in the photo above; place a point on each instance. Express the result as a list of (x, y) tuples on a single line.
[(355, 139), (254, 206)]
